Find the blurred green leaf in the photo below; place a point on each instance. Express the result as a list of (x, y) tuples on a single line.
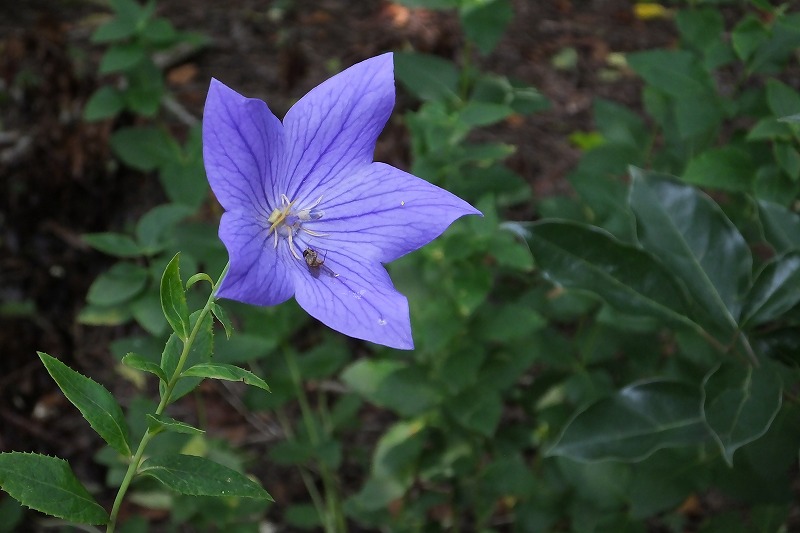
[(197, 476), (95, 403), (158, 222), (782, 99), (634, 423), (427, 77), (485, 22), (747, 36), (781, 226), (120, 57), (739, 404), (144, 148), (116, 244), (477, 409), (788, 158), (728, 168), (47, 484), (775, 291), (118, 284), (105, 102), (392, 384)]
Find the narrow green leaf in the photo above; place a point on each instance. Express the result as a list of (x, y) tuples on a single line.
[(583, 257), (173, 299), (140, 363), (197, 476), (115, 244), (688, 232), (739, 404), (95, 403), (157, 423), (226, 372), (201, 276), (633, 423), (222, 316), (48, 485)]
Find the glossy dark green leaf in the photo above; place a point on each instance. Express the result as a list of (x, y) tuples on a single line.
[(781, 226), (157, 423), (95, 403), (198, 476), (739, 404), (582, 257), (634, 423), (775, 290), (48, 485), (691, 235), (173, 299), (227, 373)]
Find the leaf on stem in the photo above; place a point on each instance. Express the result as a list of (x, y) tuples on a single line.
[(222, 316), (157, 423), (173, 299), (226, 372), (140, 363), (197, 476), (95, 403), (47, 484)]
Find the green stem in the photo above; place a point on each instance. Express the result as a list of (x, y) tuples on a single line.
[(133, 467), (333, 519)]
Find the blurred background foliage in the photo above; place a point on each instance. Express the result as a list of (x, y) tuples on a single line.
[(615, 351)]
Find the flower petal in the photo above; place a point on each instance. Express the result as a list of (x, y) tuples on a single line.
[(332, 130), (359, 301), (258, 273), (382, 213), (243, 145)]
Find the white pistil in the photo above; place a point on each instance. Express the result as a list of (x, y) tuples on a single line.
[(279, 222)]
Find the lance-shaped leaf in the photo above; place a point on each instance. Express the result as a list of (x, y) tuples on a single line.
[(200, 352), (95, 403), (739, 404), (197, 476), (157, 423), (633, 423), (775, 291), (226, 372), (691, 235), (47, 484), (583, 257), (140, 363), (173, 299)]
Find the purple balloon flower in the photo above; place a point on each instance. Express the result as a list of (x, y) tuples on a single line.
[(309, 214)]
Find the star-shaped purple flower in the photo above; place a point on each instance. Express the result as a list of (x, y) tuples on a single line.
[(307, 211)]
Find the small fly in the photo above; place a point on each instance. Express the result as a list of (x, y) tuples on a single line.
[(316, 264)]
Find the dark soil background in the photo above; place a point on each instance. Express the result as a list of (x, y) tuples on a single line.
[(58, 179)]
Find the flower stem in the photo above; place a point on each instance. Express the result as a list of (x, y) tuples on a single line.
[(133, 467)]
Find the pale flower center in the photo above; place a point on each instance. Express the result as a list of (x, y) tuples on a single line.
[(285, 221)]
